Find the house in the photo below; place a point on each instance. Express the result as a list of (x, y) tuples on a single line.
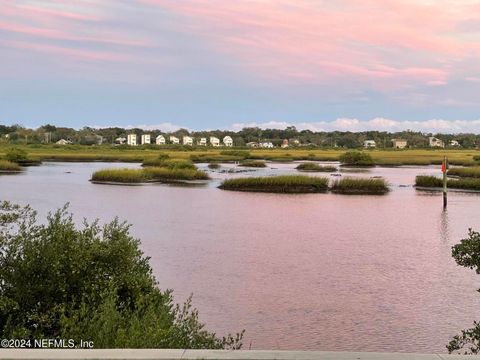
[(253, 144), (174, 140), (120, 140), (145, 139), (188, 140), (368, 144), (399, 143), (284, 143), (214, 141), (228, 141), (266, 144), (454, 143), (160, 140), (296, 142), (203, 142), (434, 142), (132, 139), (63, 142)]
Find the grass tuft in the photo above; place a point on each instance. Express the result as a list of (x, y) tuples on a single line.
[(6, 165), (149, 174), (360, 186), (253, 163), (277, 184), (435, 182), (314, 167)]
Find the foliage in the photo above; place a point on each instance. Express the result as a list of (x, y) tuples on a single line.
[(360, 186), (16, 155), (91, 283), (467, 254), (170, 163), (277, 184), (241, 153), (9, 166), (314, 167), (356, 158)]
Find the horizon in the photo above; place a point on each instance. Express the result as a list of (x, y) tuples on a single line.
[(199, 64)]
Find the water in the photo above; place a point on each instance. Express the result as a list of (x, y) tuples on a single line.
[(306, 272)]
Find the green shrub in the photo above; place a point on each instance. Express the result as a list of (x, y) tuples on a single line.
[(16, 155), (314, 167), (277, 184), (356, 158), (91, 283), (360, 186)]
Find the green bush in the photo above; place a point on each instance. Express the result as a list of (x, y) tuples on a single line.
[(90, 283), (16, 155), (356, 158)]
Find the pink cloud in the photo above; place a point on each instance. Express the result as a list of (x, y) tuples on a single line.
[(392, 43)]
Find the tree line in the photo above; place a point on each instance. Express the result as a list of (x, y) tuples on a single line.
[(17, 134)]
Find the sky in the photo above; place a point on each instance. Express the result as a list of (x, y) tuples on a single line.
[(206, 64)]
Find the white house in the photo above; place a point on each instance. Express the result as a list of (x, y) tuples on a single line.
[(63, 142), (399, 143), (174, 140), (160, 140), (454, 143), (228, 141), (434, 142), (120, 140), (132, 139), (369, 144), (214, 141), (284, 143), (203, 142), (145, 139), (266, 144), (188, 140)]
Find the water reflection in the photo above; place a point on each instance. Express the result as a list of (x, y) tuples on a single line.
[(304, 272)]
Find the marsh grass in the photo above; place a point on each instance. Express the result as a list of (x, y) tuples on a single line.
[(214, 165), (169, 163), (8, 166), (206, 158), (360, 186), (436, 182), (470, 172), (277, 184), (240, 153), (253, 163), (314, 167), (149, 174)]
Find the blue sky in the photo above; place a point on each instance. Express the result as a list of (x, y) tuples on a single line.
[(204, 64)]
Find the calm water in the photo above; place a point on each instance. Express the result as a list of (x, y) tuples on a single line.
[(316, 271)]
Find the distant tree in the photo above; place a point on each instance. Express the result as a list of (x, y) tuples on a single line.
[(467, 254), (356, 158), (91, 283)]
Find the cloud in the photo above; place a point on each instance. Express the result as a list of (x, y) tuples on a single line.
[(376, 124)]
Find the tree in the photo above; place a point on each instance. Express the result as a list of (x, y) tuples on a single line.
[(467, 254), (91, 283)]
